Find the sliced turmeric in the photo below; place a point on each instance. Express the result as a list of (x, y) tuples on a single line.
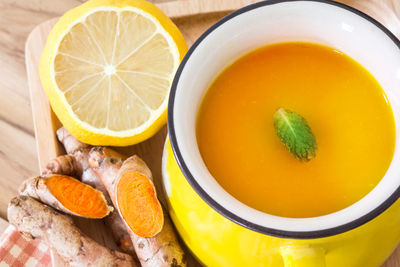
[(36, 220), (80, 152), (67, 194), (137, 200), (163, 249)]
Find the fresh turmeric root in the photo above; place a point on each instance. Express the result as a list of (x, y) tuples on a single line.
[(80, 152), (119, 178), (75, 148), (36, 220), (136, 198), (64, 164), (68, 195)]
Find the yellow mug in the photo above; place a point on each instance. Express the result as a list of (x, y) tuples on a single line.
[(220, 230)]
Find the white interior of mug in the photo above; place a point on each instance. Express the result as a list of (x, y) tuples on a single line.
[(310, 21)]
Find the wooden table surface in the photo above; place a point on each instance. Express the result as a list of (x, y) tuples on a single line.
[(18, 159)]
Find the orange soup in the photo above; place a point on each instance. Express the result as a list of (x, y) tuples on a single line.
[(344, 105)]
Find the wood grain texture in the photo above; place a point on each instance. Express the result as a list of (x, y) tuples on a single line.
[(184, 8), (17, 144), (39, 101), (18, 158)]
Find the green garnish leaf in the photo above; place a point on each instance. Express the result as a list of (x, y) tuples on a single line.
[(295, 133)]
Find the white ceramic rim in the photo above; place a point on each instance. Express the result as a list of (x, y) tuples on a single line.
[(189, 158)]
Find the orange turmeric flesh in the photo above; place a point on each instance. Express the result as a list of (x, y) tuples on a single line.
[(78, 197), (138, 204)]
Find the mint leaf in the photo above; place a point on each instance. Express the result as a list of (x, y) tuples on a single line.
[(295, 133)]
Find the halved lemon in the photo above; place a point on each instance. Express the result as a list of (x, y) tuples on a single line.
[(107, 68)]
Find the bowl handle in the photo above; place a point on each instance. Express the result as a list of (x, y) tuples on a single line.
[(303, 256)]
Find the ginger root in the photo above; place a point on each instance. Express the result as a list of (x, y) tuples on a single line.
[(80, 152), (37, 220), (161, 250), (68, 195)]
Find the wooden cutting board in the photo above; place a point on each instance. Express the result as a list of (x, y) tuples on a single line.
[(192, 18)]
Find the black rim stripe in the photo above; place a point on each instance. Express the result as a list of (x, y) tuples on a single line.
[(210, 201)]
